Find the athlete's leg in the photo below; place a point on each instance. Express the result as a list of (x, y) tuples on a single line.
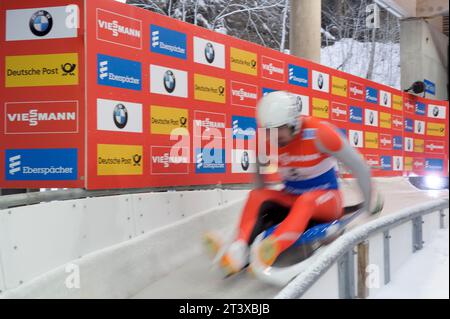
[(235, 257), (320, 205), (253, 209)]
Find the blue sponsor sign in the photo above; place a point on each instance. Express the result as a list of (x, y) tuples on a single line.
[(409, 125), (430, 87), (386, 163), (371, 95), (266, 91), (433, 164), (209, 160), (41, 164), (168, 42), (420, 108), (119, 72), (298, 75), (398, 143), (356, 115), (243, 127)]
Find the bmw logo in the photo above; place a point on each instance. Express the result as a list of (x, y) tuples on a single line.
[(371, 118), (41, 23), (299, 104), (435, 111), (169, 81), (355, 138), (320, 81), (120, 116), (245, 162), (209, 53)]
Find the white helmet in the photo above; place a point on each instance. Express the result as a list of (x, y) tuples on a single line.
[(279, 108)]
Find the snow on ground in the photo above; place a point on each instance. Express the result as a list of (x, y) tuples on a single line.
[(424, 276), (353, 57)]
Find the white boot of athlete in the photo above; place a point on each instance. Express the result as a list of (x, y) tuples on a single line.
[(235, 257)]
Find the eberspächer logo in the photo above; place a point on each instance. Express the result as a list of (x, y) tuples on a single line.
[(168, 42), (117, 72), (210, 160), (41, 164)]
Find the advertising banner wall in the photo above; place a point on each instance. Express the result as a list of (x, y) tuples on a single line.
[(142, 100)]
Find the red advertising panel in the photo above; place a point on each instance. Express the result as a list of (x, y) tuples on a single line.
[(42, 106), (167, 103)]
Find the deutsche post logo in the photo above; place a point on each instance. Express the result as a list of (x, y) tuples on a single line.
[(41, 70)]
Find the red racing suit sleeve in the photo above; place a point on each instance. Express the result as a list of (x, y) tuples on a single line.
[(330, 141)]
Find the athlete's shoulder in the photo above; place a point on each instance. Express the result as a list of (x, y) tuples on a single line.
[(328, 136)]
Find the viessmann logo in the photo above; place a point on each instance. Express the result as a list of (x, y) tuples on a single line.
[(119, 29), (167, 160), (206, 123), (243, 94), (356, 91), (397, 122), (437, 147), (385, 141), (272, 69), (41, 117), (338, 112)]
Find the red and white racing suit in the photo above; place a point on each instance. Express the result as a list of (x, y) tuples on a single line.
[(308, 168)]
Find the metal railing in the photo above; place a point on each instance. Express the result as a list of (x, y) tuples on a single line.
[(341, 251), (15, 200)]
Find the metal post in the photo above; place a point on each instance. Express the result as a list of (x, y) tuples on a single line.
[(363, 261), (387, 257), (346, 276), (442, 218), (417, 233)]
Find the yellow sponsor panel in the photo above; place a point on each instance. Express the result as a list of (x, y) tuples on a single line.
[(243, 61), (321, 108), (408, 165), (41, 70), (371, 140), (339, 86), (435, 129), (419, 145), (385, 120), (397, 102), (208, 88), (164, 120), (119, 160)]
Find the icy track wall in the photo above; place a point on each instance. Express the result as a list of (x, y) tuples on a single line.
[(89, 100), (117, 244)]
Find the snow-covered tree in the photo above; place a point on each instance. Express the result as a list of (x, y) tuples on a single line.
[(347, 43)]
